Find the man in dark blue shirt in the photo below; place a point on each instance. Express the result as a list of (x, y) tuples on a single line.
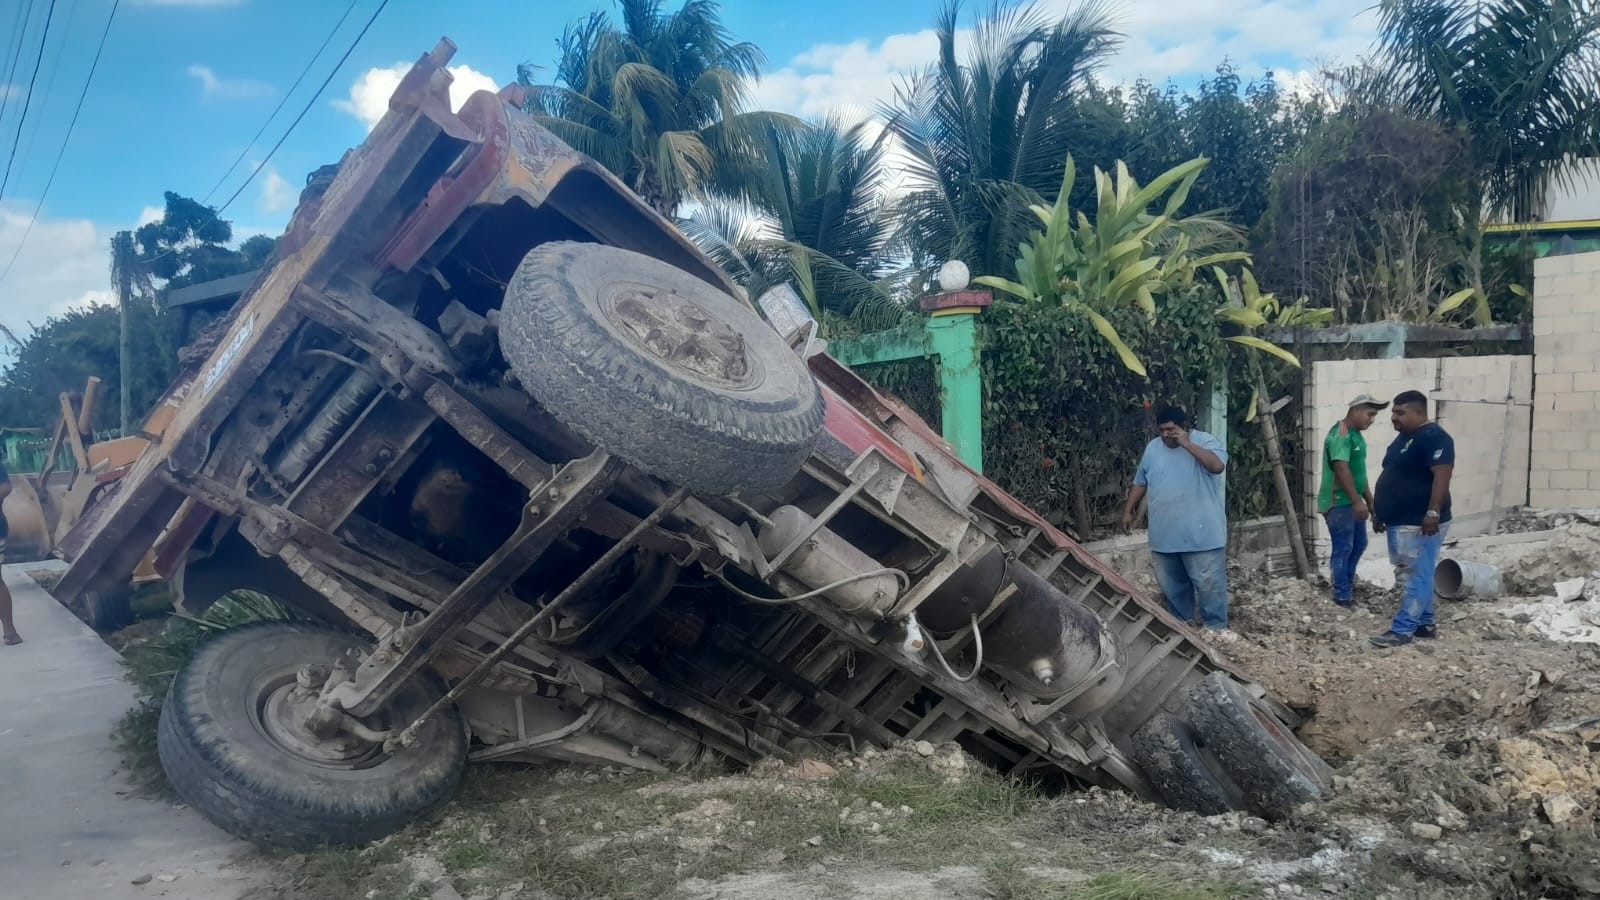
[(1413, 508)]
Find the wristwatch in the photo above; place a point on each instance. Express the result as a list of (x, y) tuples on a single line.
[(1432, 514)]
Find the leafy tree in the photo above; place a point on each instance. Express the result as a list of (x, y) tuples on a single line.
[(659, 99), (1367, 217), (61, 354), (816, 219), (188, 245), (1519, 76), (984, 131)]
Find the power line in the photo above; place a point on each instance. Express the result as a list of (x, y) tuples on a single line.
[(65, 32), (307, 108), (292, 125), (64, 141), (19, 24), (28, 98), (286, 94)]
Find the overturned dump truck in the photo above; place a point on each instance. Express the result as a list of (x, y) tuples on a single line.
[(542, 487)]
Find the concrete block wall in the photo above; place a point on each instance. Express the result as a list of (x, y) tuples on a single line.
[(1565, 470), (1467, 395)]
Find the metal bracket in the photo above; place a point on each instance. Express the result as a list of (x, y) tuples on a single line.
[(551, 511)]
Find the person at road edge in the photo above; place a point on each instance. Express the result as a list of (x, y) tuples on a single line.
[(8, 628)]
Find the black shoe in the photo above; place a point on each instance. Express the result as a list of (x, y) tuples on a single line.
[(1426, 632), (1389, 639), (1344, 602)]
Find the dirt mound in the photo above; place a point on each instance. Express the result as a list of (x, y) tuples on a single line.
[(1571, 554)]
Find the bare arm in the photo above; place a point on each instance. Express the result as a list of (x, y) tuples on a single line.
[(1135, 496), (1359, 503), (1441, 490), (1208, 460), (5, 490)]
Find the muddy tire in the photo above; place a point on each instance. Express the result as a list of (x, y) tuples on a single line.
[(1183, 771), (659, 368), (1260, 753), (226, 747)]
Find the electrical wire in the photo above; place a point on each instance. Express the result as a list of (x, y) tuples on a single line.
[(307, 108), (56, 166), (977, 643), (286, 95), (217, 214), (27, 98), (19, 25), (65, 31), (899, 576)]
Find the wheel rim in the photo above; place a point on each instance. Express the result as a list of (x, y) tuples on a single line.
[(279, 710), (680, 333)]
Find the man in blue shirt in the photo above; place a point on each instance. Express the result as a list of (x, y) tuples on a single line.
[(1181, 473), (1412, 506)]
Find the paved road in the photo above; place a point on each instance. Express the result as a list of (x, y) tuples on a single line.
[(69, 824)]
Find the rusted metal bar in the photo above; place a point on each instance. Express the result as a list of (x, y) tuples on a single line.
[(548, 515), (600, 567)]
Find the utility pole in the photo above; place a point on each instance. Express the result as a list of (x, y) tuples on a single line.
[(124, 250)]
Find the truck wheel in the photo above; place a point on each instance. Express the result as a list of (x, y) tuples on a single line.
[(234, 749), (1277, 772), (1183, 771), (108, 610), (659, 367)]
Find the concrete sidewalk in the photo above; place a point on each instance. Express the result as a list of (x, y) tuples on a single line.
[(70, 825)]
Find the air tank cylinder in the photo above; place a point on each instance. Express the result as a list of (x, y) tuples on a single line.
[(826, 559)]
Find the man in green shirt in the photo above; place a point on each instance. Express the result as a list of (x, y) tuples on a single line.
[(1344, 498)]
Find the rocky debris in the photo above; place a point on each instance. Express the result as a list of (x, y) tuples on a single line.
[(814, 768), (142, 879), (709, 810), (1561, 809), (1426, 831), (923, 748), (1447, 815)]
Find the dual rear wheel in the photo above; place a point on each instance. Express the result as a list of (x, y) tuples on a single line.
[(1228, 750)]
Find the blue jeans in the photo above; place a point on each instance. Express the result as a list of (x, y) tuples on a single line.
[(1414, 556), (1349, 536), (1187, 577)]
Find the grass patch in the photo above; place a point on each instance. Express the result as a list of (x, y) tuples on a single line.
[(640, 836)]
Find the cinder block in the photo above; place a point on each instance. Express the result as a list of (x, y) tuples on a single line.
[(1538, 481), (1550, 460), (1585, 460), (1586, 381), (1543, 363), (1573, 402), (1584, 499), (1561, 440), (1574, 362), (1557, 383), (1543, 325), (1577, 322), (1569, 479), (1547, 268)]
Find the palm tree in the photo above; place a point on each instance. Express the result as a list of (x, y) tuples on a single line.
[(130, 271), (987, 135), (814, 217), (659, 99), (1519, 76)]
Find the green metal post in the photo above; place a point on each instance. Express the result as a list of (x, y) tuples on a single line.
[(953, 334)]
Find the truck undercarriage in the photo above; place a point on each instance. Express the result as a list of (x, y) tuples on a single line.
[(553, 492)]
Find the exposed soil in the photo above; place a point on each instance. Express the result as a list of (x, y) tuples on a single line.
[(1466, 768)]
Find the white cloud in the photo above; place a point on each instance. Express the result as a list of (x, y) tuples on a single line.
[(277, 194), (150, 214), (1160, 41), (369, 95), (212, 87), (63, 265)]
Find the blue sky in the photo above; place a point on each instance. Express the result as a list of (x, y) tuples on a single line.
[(183, 85)]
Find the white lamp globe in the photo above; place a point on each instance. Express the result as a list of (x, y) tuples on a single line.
[(954, 276)]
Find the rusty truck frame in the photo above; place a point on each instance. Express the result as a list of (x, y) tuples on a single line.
[(707, 547)]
